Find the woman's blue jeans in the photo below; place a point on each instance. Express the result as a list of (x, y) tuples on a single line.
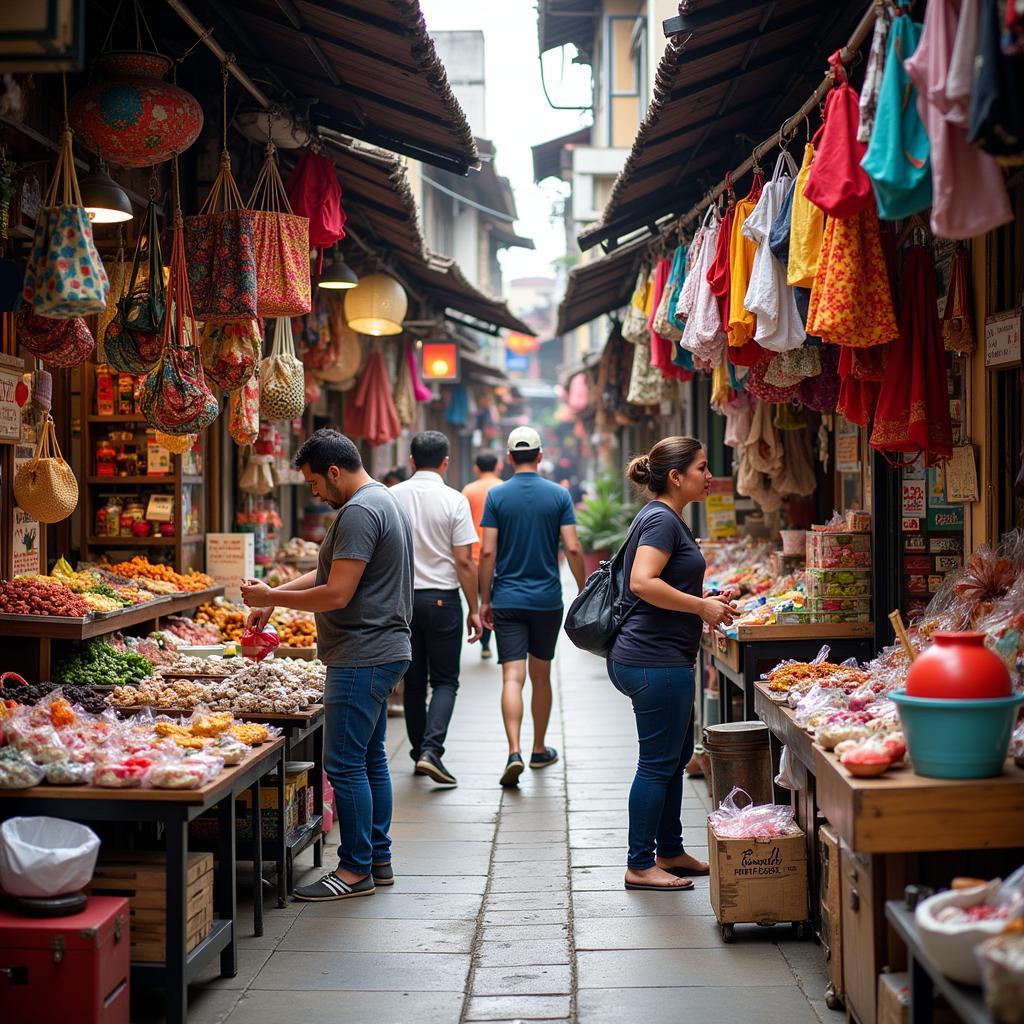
[(356, 761), (662, 697)]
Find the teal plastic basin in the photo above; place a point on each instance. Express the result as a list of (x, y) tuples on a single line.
[(957, 739)]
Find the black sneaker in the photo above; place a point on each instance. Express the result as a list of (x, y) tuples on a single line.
[(513, 769), (331, 887), (383, 874), (550, 756), (431, 765)]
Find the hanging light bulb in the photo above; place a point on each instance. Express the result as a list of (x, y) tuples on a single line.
[(104, 200), (338, 274), (376, 306)]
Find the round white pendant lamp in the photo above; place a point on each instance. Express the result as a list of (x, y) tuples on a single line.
[(376, 306)]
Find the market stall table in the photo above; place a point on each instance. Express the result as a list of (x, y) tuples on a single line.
[(740, 661), (925, 977), (173, 809)]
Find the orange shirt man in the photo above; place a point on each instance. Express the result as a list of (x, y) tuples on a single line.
[(486, 469)]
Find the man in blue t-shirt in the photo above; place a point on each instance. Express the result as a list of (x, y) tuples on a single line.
[(521, 590)]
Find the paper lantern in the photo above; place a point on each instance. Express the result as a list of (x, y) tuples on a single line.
[(376, 306), (130, 115)]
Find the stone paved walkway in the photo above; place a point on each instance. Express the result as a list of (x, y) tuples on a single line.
[(510, 906)]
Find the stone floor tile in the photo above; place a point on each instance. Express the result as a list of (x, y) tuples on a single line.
[(771, 1004), (266, 1007), (603, 879), (527, 901), (498, 918), (679, 931), (733, 966), (528, 884), (412, 811), (525, 981), (500, 1008), (517, 852), (620, 903), (361, 935), (401, 906), (364, 972), (510, 832), (522, 952), (250, 963), (524, 932)]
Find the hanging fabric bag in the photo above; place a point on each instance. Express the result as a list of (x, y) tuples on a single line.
[(119, 272), (836, 182), (634, 326), (314, 192), (897, 157), (958, 317), (282, 246), (231, 352), (45, 486), (65, 276), (175, 396), (244, 422), (996, 118), (58, 343), (282, 382)]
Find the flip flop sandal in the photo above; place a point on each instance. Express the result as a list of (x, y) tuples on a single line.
[(633, 887)]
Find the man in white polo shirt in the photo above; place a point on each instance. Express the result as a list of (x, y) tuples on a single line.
[(443, 538)]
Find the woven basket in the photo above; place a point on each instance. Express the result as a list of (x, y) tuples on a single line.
[(176, 444), (45, 487), (282, 380)]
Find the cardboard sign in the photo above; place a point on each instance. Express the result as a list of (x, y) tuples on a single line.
[(230, 558), (847, 446), (962, 475), (25, 545), (721, 509), (1002, 338), (913, 498), (10, 412)]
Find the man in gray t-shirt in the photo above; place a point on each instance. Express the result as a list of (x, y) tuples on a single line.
[(361, 596)]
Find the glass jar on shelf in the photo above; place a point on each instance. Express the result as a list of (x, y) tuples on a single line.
[(113, 518)]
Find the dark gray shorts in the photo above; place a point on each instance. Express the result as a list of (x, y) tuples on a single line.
[(523, 631)]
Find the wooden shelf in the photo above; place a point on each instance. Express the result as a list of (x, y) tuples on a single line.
[(143, 542), (167, 478), (116, 419)]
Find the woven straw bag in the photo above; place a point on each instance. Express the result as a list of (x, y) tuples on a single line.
[(45, 487), (282, 380), (176, 444)]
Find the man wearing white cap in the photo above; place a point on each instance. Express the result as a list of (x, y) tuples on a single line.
[(521, 591)]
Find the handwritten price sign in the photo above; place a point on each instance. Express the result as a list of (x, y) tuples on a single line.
[(913, 498)]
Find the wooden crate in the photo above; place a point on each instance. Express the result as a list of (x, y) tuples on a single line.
[(142, 879), (831, 913)]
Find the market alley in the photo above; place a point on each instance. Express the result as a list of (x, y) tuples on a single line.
[(509, 904)]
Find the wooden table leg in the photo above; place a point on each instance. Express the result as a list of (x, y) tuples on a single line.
[(224, 883), (284, 882), (256, 817), (176, 844)]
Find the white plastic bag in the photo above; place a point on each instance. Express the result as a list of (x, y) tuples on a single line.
[(787, 777), (41, 857)]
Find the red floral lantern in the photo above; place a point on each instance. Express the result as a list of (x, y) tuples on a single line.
[(130, 115)]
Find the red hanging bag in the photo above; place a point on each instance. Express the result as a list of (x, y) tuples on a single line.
[(314, 192)]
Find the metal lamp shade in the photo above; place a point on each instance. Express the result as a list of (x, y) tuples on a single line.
[(376, 306), (104, 200), (338, 275)]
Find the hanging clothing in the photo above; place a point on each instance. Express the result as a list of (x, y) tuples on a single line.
[(646, 384), (837, 183), (873, 79), (676, 283), (897, 158), (756, 384), (970, 196), (960, 76), (760, 460), (794, 366), (742, 323), (997, 94), (912, 415), (821, 392), (718, 271), (797, 477), (858, 392), (661, 347), (778, 235), (634, 326), (703, 334), (768, 297), (738, 415), (807, 227), (687, 293), (850, 300)]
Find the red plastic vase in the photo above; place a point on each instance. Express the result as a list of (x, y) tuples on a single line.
[(958, 666)]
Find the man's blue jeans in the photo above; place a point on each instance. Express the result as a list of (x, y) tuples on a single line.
[(356, 761), (662, 697)]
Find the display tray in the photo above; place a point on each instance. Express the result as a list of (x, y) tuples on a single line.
[(305, 715), (172, 674), (302, 653), (55, 620), (811, 631)]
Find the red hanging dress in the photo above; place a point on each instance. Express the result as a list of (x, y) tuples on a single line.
[(912, 414), (719, 271)]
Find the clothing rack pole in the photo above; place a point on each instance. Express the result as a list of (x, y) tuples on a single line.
[(846, 54)]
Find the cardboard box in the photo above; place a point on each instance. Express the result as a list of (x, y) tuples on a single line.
[(894, 1001), (758, 882)]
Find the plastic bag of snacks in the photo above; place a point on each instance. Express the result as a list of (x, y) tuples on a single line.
[(257, 644), (763, 821), (17, 771), (1002, 972), (176, 772)]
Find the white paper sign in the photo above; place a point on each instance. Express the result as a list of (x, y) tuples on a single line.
[(1002, 338), (10, 413), (230, 558)]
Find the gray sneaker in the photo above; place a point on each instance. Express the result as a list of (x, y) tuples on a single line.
[(331, 887)]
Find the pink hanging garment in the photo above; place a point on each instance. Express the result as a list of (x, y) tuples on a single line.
[(969, 195), (420, 391)]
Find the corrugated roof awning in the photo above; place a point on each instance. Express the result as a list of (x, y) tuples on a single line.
[(599, 287), (383, 214), (567, 21), (737, 68), (547, 156), (369, 66)]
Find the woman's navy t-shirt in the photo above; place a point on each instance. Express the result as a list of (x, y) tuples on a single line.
[(658, 636)]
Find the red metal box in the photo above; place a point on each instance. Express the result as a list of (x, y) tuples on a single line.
[(67, 970)]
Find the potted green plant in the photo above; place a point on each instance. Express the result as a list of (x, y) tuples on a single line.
[(603, 521)]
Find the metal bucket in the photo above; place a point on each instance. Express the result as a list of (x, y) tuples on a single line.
[(740, 756)]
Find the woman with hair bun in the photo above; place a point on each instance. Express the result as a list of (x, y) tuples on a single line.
[(652, 659)]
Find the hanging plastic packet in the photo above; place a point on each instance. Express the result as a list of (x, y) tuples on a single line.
[(258, 644)]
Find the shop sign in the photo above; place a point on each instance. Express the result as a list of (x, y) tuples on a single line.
[(721, 509), (913, 498), (515, 363), (11, 371), (946, 545), (916, 542), (947, 563), (951, 518), (847, 446), (1002, 338), (440, 362), (230, 558), (911, 525), (25, 548)]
